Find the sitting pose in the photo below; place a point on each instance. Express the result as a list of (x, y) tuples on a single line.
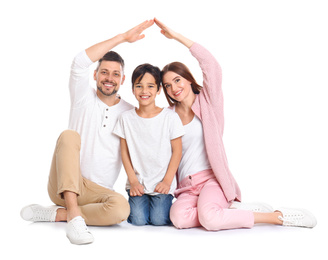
[(207, 193), (151, 150), (86, 160)]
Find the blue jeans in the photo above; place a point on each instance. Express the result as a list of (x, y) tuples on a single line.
[(150, 209)]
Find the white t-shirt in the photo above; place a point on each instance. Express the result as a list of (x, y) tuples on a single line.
[(149, 144), (194, 157), (100, 149)]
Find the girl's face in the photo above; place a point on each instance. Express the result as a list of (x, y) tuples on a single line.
[(146, 91), (176, 86)]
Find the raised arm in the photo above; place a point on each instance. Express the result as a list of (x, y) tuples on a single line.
[(98, 50), (170, 34), (212, 74), (79, 78)]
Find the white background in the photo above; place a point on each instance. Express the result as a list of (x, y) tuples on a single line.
[(275, 61)]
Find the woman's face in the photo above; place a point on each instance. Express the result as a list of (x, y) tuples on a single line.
[(176, 86)]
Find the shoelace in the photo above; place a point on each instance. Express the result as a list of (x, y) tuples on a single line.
[(292, 220), (80, 226), (42, 214)]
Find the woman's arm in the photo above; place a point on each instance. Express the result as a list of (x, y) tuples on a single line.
[(212, 73), (136, 188), (165, 185), (170, 34)]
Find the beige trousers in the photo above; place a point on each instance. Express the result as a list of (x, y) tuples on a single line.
[(99, 206)]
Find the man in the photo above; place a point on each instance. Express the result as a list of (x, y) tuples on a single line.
[(87, 159)]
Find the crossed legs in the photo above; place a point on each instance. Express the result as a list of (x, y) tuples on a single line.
[(79, 196)]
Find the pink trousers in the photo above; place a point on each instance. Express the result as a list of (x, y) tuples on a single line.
[(201, 202)]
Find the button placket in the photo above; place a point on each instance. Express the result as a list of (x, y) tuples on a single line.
[(105, 119)]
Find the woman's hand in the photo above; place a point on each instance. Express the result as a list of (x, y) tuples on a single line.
[(170, 34), (166, 31)]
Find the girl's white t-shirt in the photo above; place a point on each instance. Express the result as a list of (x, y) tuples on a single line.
[(149, 144)]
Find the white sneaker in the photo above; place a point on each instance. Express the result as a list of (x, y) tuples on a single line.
[(297, 218), (255, 207), (77, 232), (38, 213)]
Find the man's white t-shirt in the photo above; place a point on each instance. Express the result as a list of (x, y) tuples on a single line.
[(100, 149), (149, 144)]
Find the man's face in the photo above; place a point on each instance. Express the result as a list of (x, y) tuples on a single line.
[(109, 78)]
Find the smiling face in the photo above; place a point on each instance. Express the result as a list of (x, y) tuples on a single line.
[(177, 87), (109, 78), (145, 90)]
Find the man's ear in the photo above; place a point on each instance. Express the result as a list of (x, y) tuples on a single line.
[(95, 75), (123, 78)]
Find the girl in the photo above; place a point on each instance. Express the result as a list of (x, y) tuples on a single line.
[(207, 191), (151, 150)]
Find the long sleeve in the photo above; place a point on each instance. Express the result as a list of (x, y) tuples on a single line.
[(208, 106), (79, 85)]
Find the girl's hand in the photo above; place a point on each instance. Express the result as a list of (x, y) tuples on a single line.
[(163, 188), (136, 189)]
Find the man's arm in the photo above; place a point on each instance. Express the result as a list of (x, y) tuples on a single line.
[(97, 51)]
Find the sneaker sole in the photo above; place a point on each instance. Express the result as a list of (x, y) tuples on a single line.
[(312, 217), (81, 242)]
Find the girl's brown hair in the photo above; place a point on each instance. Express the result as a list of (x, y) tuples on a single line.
[(183, 71)]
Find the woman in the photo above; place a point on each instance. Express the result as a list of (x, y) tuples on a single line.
[(207, 193)]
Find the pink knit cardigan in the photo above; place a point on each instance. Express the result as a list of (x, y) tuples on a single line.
[(208, 106)]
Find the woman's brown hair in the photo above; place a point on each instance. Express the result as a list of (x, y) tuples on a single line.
[(183, 71)]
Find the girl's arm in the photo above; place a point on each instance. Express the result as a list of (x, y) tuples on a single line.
[(165, 185), (136, 188)]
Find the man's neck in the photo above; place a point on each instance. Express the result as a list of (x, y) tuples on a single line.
[(108, 100)]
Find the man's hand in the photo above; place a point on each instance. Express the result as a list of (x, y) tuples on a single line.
[(98, 50), (135, 34)]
